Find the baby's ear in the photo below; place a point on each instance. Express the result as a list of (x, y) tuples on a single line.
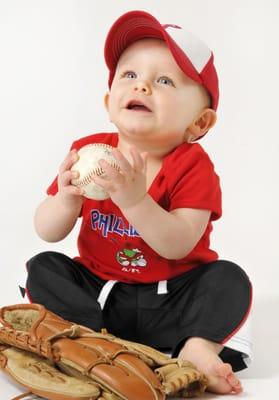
[(106, 100), (205, 121)]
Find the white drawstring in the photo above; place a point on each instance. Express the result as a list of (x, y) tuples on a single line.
[(162, 287), (104, 293)]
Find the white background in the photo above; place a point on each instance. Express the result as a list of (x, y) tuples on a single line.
[(52, 82)]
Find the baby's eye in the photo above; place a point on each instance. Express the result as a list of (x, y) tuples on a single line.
[(129, 75), (165, 81)]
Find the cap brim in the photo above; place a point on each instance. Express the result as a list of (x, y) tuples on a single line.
[(136, 25)]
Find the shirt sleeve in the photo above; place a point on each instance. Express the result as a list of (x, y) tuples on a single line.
[(195, 183), (53, 187)]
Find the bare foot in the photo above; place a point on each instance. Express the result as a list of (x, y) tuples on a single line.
[(204, 355), (221, 378)]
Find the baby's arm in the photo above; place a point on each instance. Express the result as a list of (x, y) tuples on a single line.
[(56, 215), (171, 234)]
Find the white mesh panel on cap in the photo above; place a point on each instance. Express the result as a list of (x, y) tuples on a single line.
[(196, 50)]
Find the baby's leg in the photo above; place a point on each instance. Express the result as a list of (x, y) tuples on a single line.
[(65, 287), (204, 354), (218, 304)]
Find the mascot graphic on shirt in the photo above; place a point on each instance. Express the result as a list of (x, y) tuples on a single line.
[(131, 257)]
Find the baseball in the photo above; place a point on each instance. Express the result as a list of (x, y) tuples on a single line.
[(88, 167)]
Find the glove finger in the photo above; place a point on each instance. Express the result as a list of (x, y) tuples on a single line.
[(181, 381), (42, 378), (111, 366)]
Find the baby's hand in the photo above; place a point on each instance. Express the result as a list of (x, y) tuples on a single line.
[(68, 193), (126, 187)]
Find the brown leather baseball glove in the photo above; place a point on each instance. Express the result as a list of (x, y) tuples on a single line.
[(103, 366)]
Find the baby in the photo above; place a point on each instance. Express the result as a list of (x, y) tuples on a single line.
[(145, 269)]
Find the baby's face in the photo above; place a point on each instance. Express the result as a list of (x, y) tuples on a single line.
[(151, 99)]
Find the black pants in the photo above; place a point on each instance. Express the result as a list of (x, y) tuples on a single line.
[(210, 301)]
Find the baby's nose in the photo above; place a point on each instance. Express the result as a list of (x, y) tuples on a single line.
[(142, 86)]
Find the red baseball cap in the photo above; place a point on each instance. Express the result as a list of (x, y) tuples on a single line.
[(193, 56)]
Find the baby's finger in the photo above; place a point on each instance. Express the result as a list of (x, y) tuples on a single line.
[(68, 162), (138, 159), (101, 181), (66, 177), (124, 164), (110, 172), (73, 190)]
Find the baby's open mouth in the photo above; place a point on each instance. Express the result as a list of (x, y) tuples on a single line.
[(136, 105)]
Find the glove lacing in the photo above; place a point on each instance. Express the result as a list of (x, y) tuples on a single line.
[(21, 396)]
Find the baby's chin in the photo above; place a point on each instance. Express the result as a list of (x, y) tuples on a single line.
[(137, 131)]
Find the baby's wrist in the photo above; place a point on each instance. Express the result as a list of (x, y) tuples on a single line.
[(68, 202), (135, 206)]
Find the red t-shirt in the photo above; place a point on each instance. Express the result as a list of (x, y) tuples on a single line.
[(112, 249)]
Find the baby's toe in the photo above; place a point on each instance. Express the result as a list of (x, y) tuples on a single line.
[(223, 370), (234, 382)]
